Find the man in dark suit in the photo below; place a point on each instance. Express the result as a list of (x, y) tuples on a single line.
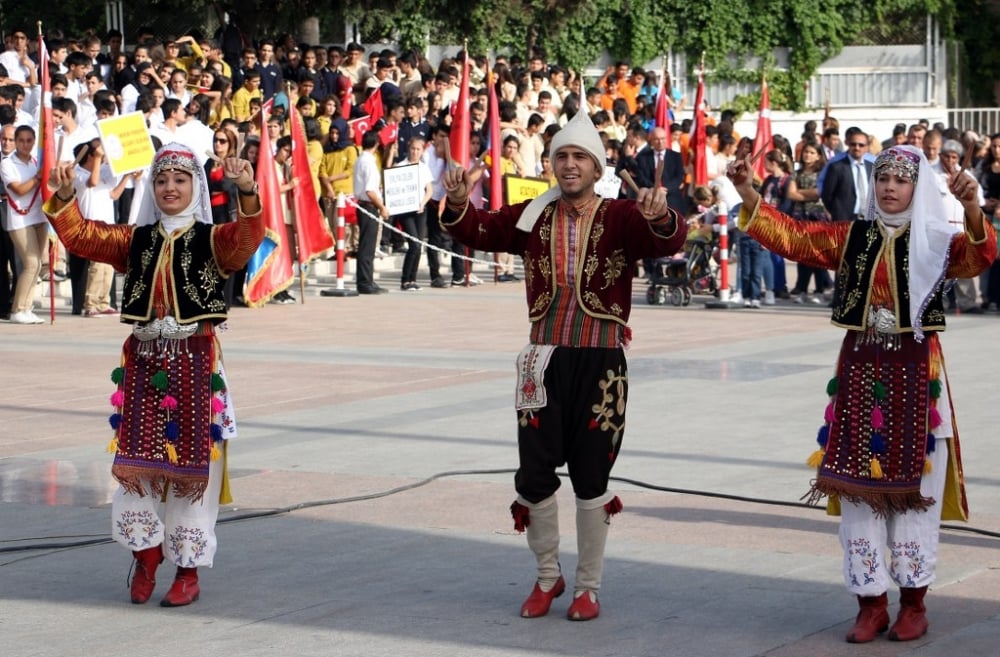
[(672, 178), (845, 185)]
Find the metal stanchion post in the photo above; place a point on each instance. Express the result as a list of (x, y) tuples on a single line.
[(340, 290)]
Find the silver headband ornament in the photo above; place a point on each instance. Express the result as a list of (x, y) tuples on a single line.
[(897, 161), (174, 160)]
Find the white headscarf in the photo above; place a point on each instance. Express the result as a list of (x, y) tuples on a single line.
[(930, 232), (175, 156), (581, 133)]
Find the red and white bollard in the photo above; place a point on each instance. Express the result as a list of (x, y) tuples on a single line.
[(339, 290), (723, 254)]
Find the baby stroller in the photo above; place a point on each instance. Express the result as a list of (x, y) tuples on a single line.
[(681, 277)]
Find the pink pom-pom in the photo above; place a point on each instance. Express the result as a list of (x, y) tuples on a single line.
[(117, 398), (828, 413), (169, 403), (933, 418), (877, 419), (218, 405)]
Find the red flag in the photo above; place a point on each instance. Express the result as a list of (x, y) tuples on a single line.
[(373, 108), (763, 138), (360, 126), (46, 124), (698, 139), (496, 177), (663, 107), (311, 231), (461, 122), (388, 134), (374, 105), (270, 268)]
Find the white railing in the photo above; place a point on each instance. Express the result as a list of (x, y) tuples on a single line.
[(984, 120)]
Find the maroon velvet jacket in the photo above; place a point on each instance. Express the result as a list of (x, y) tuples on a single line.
[(616, 236)]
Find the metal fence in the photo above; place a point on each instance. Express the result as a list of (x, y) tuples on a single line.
[(984, 120)]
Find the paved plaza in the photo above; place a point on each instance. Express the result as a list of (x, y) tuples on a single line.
[(374, 471)]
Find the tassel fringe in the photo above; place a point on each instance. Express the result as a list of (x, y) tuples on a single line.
[(521, 515)]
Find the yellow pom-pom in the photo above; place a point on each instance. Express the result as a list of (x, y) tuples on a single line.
[(171, 453), (215, 452), (927, 466), (113, 446), (816, 458), (876, 469)]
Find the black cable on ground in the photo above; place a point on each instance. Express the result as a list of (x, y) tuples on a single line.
[(253, 515)]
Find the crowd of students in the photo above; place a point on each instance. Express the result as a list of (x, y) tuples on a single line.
[(194, 91)]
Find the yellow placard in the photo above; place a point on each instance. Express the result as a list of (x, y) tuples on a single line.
[(518, 189), (126, 142)]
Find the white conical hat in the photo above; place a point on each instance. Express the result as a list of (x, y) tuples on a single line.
[(581, 133)]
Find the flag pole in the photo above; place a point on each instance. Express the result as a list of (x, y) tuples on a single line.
[(53, 241)]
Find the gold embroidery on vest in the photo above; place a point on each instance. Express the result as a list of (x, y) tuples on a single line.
[(614, 265), (594, 301), (591, 267), (543, 300)]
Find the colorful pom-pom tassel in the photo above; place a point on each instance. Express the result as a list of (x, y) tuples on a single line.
[(877, 444), (216, 452), (877, 419), (115, 420), (823, 435), (218, 405), (218, 383), (112, 446), (816, 458), (878, 389), (614, 507), (876, 469), (117, 398), (169, 402), (118, 375), (172, 431), (159, 380), (216, 431), (828, 413), (934, 388), (832, 386), (927, 467), (933, 418), (931, 443), (171, 452)]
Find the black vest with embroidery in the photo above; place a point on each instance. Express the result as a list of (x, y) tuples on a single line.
[(862, 253), (196, 281)]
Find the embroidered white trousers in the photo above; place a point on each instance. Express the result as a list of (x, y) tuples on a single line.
[(901, 547), (185, 529)]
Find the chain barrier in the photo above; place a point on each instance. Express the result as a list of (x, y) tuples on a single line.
[(411, 238)]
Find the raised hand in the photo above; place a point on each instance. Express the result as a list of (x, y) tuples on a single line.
[(456, 184), (240, 172)]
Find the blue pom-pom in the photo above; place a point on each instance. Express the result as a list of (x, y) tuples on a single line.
[(216, 432), (931, 443), (877, 444), (823, 435), (172, 431), (115, 420)]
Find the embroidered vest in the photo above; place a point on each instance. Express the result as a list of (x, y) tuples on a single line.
[(862, 253), (195, 279)]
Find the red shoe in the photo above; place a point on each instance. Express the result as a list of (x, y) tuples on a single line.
[(585, 607), (872, 619), (539, 601), (143, 581), (184, 590), (911, 623)]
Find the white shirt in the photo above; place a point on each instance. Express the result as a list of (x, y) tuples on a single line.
[(367, 177), (437, 165), (96, 202), (23, 209), (15, 70)]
